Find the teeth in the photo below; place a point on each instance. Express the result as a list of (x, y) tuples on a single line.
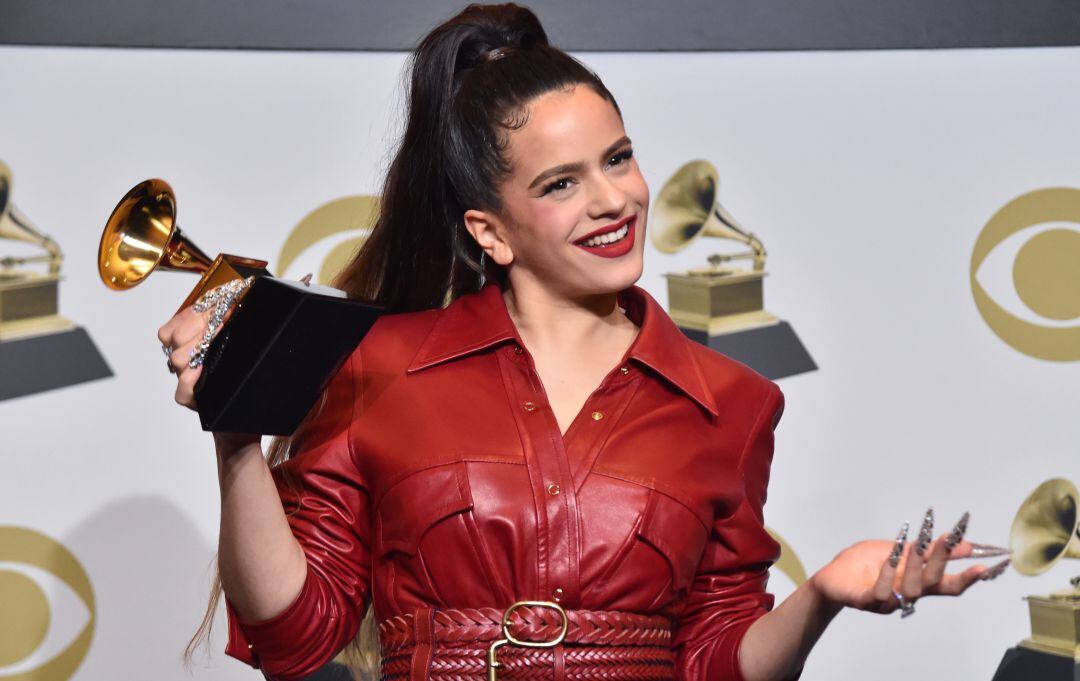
[(609, 237)]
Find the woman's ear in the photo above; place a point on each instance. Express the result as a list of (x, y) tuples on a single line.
[(489, 232)]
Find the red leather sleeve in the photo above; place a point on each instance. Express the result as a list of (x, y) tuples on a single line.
[(728, 593), (327, 505)]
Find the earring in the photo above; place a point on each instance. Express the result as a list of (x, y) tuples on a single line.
[(481, 269)]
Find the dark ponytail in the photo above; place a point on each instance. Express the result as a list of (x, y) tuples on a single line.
[(470, 81)]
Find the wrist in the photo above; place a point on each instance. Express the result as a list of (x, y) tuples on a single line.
[(231, 443), (825, 607)]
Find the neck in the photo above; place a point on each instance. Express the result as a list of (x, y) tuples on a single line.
[(548, 320)]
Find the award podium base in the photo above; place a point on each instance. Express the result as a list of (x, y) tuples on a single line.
[(43, 362), (773, 351), (274, 356), (1025, 664)]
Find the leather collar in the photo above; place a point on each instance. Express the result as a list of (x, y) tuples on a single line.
[(478, 321)]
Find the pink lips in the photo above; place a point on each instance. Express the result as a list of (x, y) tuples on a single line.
[(616, 249)]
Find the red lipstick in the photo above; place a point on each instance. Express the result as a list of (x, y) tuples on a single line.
[(612, 250)]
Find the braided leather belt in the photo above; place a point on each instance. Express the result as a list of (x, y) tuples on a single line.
[(529, 640)]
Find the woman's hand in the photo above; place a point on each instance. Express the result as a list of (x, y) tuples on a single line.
[(873, 575), (179, 336)]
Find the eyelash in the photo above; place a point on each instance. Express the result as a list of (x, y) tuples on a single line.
[(619, 158)]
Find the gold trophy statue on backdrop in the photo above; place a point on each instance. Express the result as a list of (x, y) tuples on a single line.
[(39, 348), (1045, 531), (721, 306), (284, 341), (28, 298)]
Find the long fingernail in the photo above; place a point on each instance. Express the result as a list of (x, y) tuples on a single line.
[(957, 532), (898, 545), (988, 551), (926, 532), (995, 571)]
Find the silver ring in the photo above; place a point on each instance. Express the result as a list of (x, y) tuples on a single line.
[(167, 349), (907, 608)]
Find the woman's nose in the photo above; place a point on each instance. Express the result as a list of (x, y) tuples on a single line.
[(607, 199)]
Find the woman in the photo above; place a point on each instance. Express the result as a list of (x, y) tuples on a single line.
[(549, 435)]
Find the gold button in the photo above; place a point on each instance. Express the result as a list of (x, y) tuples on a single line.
[(597, 415), (529, 406), (624, 369), (556, 595), (554, 489)]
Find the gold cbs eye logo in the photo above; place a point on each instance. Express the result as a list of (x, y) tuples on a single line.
[(47, 609), (1043, 228), (330, 235)]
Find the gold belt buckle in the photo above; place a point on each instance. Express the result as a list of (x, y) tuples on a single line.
[(493, 663)]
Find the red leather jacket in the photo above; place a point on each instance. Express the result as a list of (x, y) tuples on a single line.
[(435, 475)]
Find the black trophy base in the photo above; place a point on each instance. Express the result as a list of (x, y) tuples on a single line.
[(1024, 664), (274, 356), (55, 360), (772, 351)]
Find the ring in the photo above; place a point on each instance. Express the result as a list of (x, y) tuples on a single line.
[(906, 607), (167, 349)]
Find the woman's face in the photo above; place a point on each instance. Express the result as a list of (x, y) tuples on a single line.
[(573, 175)]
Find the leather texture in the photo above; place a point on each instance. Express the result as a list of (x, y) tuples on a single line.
[(434, 476)]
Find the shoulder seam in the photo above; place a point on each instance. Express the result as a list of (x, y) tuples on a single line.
[(763, 411)]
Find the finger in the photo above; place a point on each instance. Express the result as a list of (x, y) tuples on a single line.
[(883, 587), (957, 583), (937, 557), (177, 330), (185, 387), (911, 578)]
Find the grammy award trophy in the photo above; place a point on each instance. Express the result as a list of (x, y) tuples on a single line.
[(721, 306), (284, 341)]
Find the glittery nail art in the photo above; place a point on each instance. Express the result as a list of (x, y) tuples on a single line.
[(956, 535), (926, 532), (995, 571), (898, 545), (988, 551)]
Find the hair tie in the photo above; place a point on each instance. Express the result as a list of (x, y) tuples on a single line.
[(496, 53)]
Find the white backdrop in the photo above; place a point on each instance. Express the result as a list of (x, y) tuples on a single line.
[(868, 175)]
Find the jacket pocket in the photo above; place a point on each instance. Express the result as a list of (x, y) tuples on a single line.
[(678, 534), (412, 506)]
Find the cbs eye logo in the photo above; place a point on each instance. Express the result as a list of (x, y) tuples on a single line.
[(328, 237), (46, 608), (1039, 315)]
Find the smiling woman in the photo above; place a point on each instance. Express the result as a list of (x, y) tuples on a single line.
[(525, 469)]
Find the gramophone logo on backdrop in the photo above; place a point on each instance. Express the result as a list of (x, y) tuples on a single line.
[(1039, 314), (39, 349), (47, 608), (720, 306)]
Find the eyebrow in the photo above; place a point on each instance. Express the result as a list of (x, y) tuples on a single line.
[(576, 167)]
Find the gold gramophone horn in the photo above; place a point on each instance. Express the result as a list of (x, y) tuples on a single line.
[(1046, 528), (141, 235), (687, 207), (15, 226)]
